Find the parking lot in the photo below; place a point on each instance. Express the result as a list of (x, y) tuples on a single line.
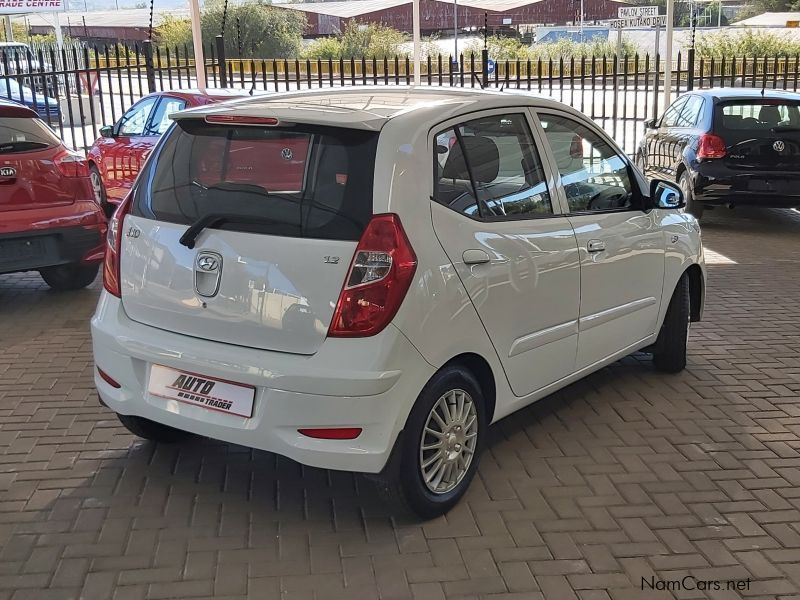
[(628, 479)]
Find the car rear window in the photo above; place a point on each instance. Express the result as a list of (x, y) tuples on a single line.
[(757, 115), (24, 134), (299, 181)]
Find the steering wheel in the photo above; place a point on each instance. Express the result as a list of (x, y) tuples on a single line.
[(610, 197)]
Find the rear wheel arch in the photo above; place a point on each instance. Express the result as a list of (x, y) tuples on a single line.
[(482, 371), (696, 288), (680, 171)]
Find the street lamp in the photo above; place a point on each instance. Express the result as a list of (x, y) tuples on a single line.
[(455, 27)]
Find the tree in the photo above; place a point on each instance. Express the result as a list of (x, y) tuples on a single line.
[(255, 27), (746, 43), (359, 40)]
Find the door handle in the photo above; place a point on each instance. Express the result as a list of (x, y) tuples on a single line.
[(596, 246), (475, 257)]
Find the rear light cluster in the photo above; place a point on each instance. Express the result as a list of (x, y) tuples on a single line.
[(711, 146), (71, 164), (380, 275), (111, 266)]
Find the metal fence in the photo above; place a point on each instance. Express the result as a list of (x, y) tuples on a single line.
[(79, 89)]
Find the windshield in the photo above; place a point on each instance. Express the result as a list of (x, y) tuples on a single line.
[(758, 115), (24, 134), (302, 181)]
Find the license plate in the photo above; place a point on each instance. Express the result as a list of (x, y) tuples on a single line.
[(202, 390), (21, 249)]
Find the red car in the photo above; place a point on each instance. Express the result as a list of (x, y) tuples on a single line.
[(49, 220), (117, 156)]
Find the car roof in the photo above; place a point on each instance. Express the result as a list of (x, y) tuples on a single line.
[(13, 109), (737, 93), (369, 109)]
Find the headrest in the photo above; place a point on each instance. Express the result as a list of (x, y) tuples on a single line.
[(484, 158), (769, 114)]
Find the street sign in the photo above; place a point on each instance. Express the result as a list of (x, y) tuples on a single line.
[(632, 12), (648, 21), (490, 66), (18, 7)]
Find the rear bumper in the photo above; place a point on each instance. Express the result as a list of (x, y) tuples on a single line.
[(716, 184), (32, 250), (368, 383)]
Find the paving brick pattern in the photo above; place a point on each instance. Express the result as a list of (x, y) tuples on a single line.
[(629, 474)]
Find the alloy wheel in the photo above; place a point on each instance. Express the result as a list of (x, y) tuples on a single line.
[(449, 441), (97, 186)]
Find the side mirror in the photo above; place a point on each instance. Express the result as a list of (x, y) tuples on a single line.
[(650, 124), (666, 195), (107, 131)]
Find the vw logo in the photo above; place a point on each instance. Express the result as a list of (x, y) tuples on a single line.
[(8, 172), (779, 146), (207, 262), (287, 154)]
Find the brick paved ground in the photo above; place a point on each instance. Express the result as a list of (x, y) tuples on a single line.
[(628, 474)]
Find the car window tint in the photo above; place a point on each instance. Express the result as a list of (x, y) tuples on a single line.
[(297, 181), (496, 159), (161, 121), (671, 115), (690, 113), (24, 134), (595, 177), (757, 115), (134, 121)]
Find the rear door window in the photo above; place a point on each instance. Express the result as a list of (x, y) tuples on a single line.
[(300, 181), (690, 114), (493, 159), (24, 134)]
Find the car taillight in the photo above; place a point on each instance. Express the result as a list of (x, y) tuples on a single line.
[(111, 264), (379, 277), (711, 146), (71, 164)]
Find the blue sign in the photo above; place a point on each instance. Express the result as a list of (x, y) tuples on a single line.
[(491, 65)]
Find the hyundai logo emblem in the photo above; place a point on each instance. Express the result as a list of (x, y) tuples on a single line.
[(287, 154), (8, 172), (779, 146), (207, 262)]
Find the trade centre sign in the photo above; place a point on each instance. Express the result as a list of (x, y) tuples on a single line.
[(16, 7), (635, 16)]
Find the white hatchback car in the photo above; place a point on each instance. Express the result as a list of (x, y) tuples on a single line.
[(443, 258)]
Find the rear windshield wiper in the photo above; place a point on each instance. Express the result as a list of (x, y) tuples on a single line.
[(21, 146), (189, 236)]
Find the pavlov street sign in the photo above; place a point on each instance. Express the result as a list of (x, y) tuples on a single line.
[(18, 7), (631, 12)]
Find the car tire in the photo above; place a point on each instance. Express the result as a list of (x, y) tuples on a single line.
[(693, 206), (405, 484), (69, 277), (669, 352), (99, 191), (150, 430)]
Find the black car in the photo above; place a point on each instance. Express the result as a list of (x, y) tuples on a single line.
[(728, 146)]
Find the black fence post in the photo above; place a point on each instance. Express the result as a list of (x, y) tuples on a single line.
[(147, 47), (690, 70), (223, 66), (485, 67)]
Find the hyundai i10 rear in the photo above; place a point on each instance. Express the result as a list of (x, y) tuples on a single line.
[(376, 309)]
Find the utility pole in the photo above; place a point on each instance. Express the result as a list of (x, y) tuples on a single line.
[(9, 30), (455, 26)]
